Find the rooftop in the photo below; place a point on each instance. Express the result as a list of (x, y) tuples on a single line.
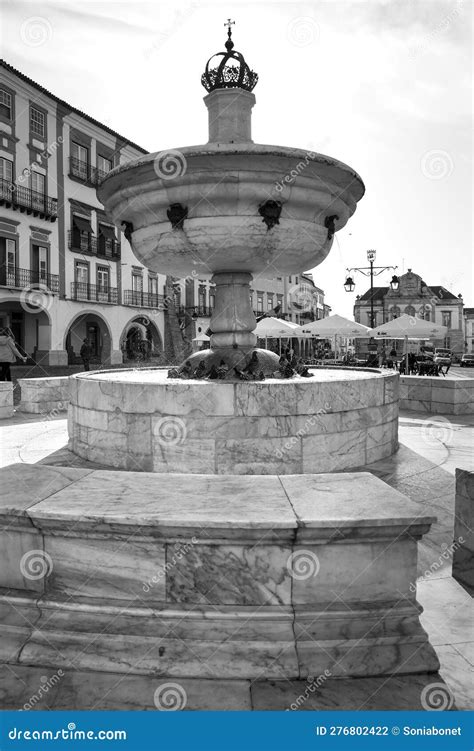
[(38, 87)]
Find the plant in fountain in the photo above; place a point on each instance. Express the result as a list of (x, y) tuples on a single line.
[(252, 221)]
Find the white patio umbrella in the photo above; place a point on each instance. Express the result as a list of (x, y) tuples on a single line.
[(275, 328), (332, 327), (409, 327)]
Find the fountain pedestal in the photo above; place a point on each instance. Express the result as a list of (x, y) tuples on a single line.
[(211, 578)]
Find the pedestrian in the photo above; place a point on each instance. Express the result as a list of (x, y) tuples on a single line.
[(85, 353), (8, 354)]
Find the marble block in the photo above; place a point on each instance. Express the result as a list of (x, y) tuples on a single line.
[(44, 395), (438, 396), (6, 399), (463, 542)]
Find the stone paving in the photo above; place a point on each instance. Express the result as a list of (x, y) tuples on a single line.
[(423, 469)]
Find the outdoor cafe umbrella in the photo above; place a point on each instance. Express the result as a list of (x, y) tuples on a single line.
[(275, 328), (332, 327), (408, 327)]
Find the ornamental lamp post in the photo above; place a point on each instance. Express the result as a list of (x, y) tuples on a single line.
[(371, 271)]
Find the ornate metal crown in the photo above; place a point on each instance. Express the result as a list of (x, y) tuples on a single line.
[(224, 76)]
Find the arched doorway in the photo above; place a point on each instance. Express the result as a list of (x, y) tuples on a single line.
[(95, 329), (140, 340)]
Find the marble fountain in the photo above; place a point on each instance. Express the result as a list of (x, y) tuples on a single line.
[(227, 544)]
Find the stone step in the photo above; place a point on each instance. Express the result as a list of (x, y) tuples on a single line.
[(25, 687)]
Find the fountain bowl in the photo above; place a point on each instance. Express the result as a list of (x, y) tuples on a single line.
[(223, 187)]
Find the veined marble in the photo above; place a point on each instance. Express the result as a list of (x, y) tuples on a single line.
[(211, 576), (142, 421)]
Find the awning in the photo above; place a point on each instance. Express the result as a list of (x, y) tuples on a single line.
[(107, 232), (82, 224)]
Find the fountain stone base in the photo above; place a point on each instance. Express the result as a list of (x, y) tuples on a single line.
[(142, 420)]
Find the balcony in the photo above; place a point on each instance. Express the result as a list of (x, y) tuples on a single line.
[(26, 200), (84, 242), (143, 299), (197, 310), (82, 291), (84, 172), (25, 278)]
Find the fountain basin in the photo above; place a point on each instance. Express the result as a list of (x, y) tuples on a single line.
[(141, 420), (222, 186)]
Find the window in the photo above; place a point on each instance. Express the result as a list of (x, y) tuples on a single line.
[(270, 305), (202, 296), (104, 165), (280, 302), (8, 271), (38, 187), (212, 299), (81, 233), (79, 160), (137, 283), (103, 283), (446, 318), (6, 169), (82, 273), (82, 281), (5, 104), (153, 285), (37, 122), (259, 302), (40, 264), (410, 311), (106, 242), (395, 312)]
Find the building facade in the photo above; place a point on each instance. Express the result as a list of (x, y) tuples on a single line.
[(297, 298), (414, 297), (469, 330), (66, 271)]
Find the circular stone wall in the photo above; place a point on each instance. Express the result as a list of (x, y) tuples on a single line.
[(141, 420)]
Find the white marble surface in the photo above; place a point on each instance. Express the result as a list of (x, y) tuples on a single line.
[(140, 420), (6, 399)]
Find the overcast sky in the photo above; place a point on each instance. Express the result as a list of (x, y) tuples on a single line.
[(384, 85)]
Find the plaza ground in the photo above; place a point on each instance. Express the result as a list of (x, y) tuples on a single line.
[(423, 469)]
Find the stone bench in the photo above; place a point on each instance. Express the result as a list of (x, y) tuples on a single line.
[(44, 395), (437, 396), (463, 543), (210, 577), (6, 399)]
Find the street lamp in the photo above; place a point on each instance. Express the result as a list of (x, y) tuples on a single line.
[(394, 283), (371, 271), (349, 285)]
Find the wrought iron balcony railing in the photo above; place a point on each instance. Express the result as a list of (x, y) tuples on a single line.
[(85, 171), (84, 242), (26, 200), (25, 278), (198, 310), (143, 299), (94, 292)]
